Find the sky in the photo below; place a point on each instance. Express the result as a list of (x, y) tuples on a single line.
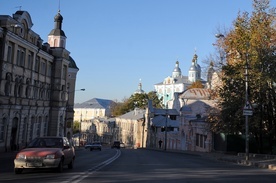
[(117, 44)]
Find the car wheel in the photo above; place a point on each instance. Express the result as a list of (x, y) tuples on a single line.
[(71, 164), (18, 170), (60, 166)]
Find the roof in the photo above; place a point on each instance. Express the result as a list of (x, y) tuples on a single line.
[(157, 111), (160, 121), (178, 80), (95, 103), (196, 93), (134, 115), (72, 63)]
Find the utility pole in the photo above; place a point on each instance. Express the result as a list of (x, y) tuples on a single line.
[(166, 128), (247, 111)]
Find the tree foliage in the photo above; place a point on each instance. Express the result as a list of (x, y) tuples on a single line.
[(252, 44), (136, 100), (196, 84)]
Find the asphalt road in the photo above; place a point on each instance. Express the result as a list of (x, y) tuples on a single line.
[(141, 165)]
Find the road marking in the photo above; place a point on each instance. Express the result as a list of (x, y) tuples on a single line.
[(81, 176)]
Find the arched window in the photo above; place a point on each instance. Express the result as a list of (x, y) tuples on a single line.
[(28, 88)]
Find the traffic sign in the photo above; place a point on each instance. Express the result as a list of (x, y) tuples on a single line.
[(247, 106), (247, 112)]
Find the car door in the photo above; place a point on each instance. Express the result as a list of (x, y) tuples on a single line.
[(68, 151)]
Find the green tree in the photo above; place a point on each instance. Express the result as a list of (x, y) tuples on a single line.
[(76, 127), (136, 100), (251, 44)]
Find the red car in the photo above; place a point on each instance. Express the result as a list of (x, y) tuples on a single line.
[(45, 152)]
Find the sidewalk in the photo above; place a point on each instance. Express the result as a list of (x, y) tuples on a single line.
[(256, 160)]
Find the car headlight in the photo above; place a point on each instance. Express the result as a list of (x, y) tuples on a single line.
[(50, 156), (21, 156)]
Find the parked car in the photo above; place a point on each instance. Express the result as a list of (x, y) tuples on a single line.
[(94, 146), (45, 152), (116, 144)]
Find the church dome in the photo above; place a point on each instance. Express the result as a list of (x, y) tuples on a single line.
[(176, 71), (58, 17), (193, 68)]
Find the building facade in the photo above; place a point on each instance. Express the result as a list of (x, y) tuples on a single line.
[(93, 108), (130, 128), (35, 81), (195, 131)]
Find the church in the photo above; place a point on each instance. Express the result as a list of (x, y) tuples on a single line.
[(177, 83)]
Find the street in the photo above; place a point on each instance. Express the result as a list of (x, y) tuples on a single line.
[(140, 165)]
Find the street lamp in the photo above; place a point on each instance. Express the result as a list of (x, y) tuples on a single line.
[(80, 130), (247, 114), (166, 125), (220, 39), (83, 89), (69, 115)]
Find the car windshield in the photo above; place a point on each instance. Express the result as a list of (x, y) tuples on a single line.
[(46, 142)]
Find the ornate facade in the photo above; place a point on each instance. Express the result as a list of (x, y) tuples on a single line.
[(37, 82)]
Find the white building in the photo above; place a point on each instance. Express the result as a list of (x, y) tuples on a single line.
[(177, 83), (94, 108)]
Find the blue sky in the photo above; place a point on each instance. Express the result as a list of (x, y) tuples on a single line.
[(115, 43)]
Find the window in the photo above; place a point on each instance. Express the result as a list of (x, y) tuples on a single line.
[(10, 53), (31, 128), (200, 140), (2, 129), (28, 89), (38, 126), (49, 69), (8, 84), (16, 87), (45, 126), (20, 59), (30, 60), (24, 131), (43, 67), (37, 63)]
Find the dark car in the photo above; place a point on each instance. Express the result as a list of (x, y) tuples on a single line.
[(116, 144), (45, 152)]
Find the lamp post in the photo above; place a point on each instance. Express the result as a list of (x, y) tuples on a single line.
[(246, 116), (166, 125), (80, 130), (68, 120), (220, 37)]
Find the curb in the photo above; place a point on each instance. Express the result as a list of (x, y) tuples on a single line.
[(264, 165)]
